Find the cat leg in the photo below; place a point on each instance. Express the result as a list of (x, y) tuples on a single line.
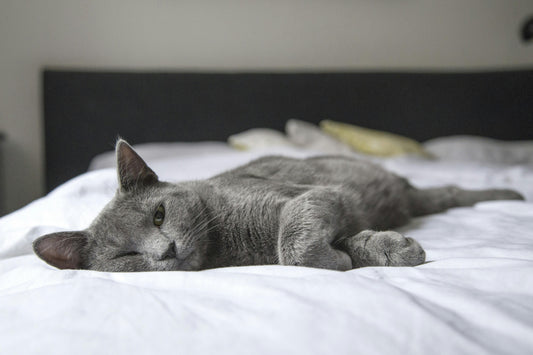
[(434, 200), (309, 225), (371, 248)]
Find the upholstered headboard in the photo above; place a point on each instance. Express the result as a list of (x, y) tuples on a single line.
[(84, 111)]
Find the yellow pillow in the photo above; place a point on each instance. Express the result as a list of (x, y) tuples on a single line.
[(370, 141)]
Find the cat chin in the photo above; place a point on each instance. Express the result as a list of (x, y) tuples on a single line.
[(187, 264)]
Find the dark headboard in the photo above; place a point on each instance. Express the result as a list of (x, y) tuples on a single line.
[(84, 111)]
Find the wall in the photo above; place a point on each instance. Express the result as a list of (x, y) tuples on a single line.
[(232, 35)]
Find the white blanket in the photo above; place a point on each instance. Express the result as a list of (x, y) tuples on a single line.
[(474, 297)]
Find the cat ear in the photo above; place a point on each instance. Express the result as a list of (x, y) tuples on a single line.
[(132, 170), (63, 250)]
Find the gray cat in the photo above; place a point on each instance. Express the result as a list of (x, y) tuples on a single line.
[(317, 212)]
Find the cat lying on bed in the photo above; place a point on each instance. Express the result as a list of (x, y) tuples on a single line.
[(318, 212)]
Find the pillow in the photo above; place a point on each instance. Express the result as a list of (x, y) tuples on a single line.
[(481, 149), (309, 136), (259, 138), (372, 142)]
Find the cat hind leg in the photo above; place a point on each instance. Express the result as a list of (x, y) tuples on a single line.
[(434, 200)]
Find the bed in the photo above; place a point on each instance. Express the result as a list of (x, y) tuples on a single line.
[(474, 296)]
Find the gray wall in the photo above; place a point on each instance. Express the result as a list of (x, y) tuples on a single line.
[(233, 35)]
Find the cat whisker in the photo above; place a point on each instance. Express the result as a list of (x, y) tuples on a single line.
[(204, 224), (200, 230)]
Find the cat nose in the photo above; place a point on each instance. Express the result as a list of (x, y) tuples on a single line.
[(170, 253)]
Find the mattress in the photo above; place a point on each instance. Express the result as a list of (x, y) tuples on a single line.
[(473, 296)]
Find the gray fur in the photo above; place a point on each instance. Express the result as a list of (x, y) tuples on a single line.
[(318, 212)]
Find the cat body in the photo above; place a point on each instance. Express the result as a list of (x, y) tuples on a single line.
[(317, 212), (252, 202)]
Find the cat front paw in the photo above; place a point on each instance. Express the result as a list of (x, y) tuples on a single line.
[(371, 248)]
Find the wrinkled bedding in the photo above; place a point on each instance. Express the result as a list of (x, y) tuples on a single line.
[(474, 296)]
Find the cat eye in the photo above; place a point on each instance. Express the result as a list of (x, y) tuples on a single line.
[(159, 215), (131, 253)]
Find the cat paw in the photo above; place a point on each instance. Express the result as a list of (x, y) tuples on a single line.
[(507, 194), (371, 248)]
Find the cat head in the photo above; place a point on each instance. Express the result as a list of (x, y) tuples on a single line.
[(149, 225)]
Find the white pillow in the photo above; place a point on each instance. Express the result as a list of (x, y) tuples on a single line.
[(481, 149), (259, 138), (307, 135)]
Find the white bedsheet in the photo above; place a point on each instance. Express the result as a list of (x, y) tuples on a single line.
[(474, 297)]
